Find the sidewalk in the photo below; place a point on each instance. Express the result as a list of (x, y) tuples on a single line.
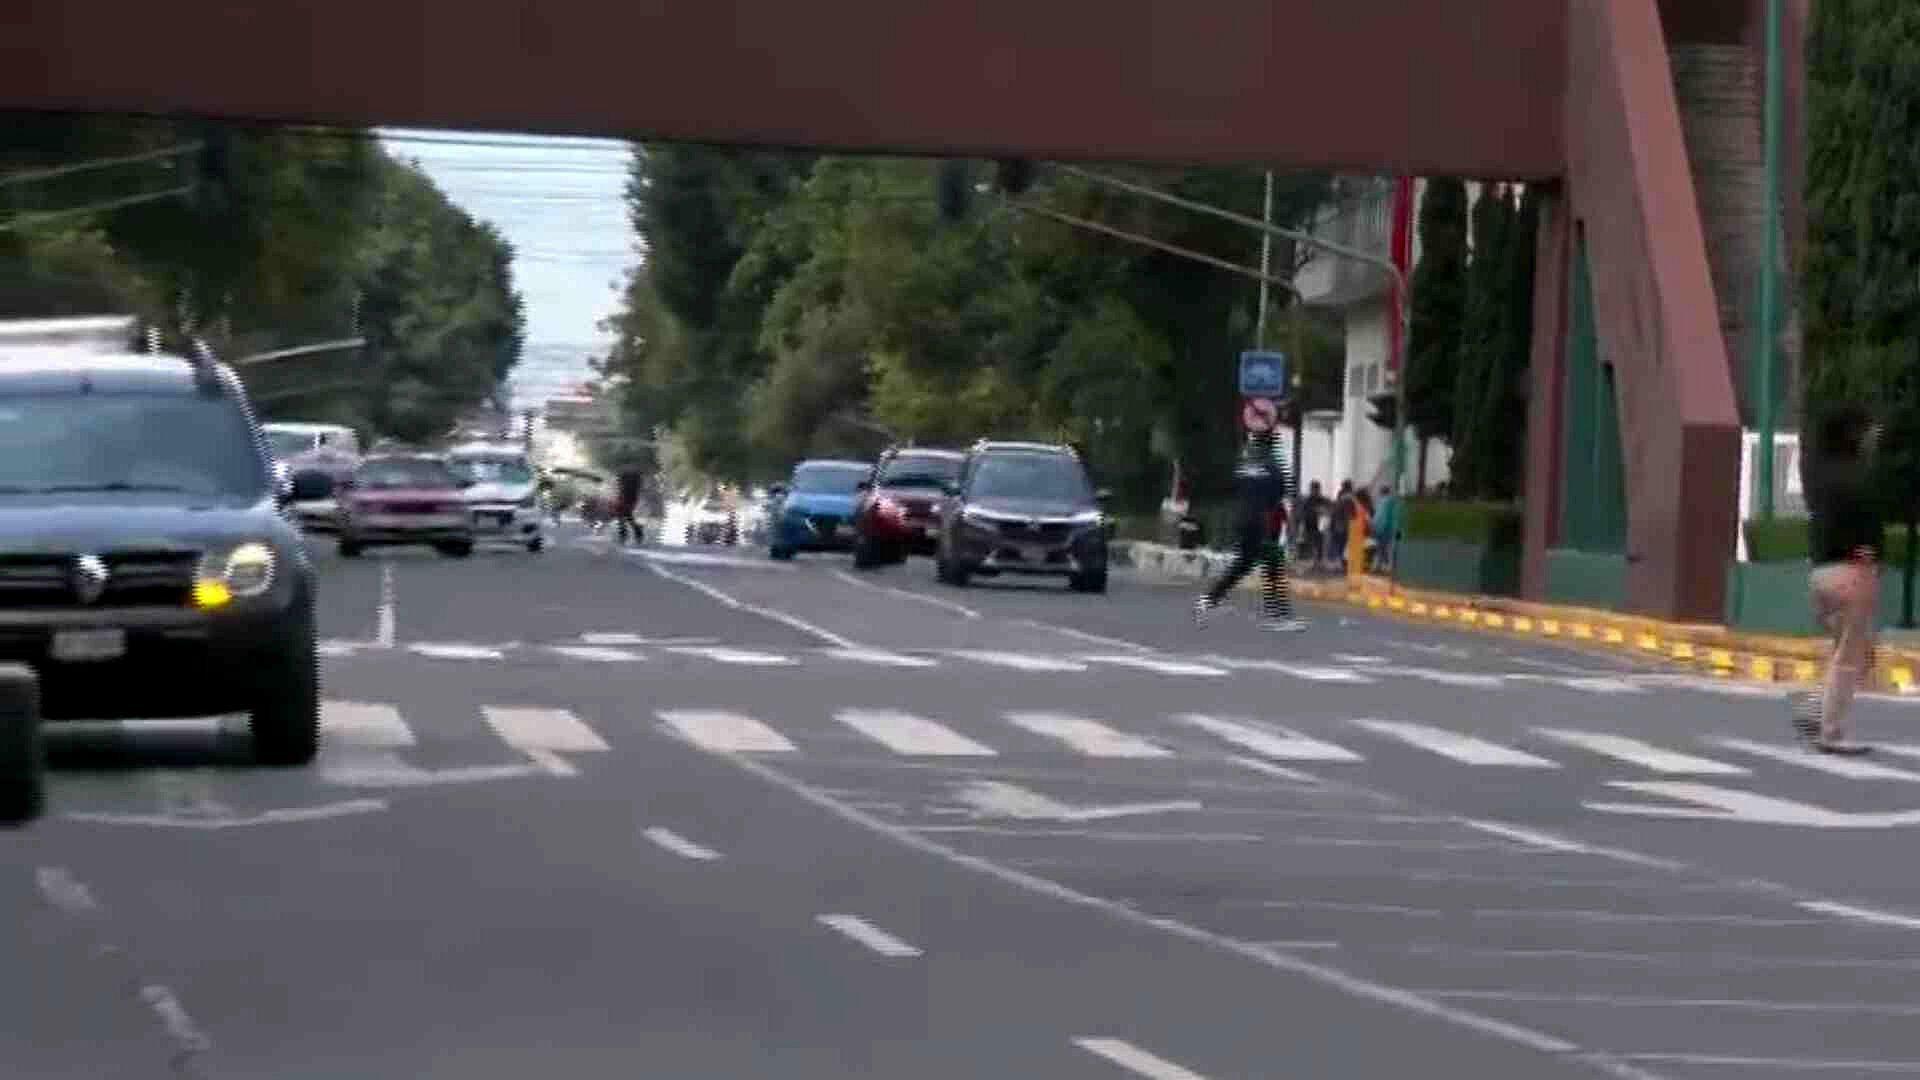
[(1708, 648)]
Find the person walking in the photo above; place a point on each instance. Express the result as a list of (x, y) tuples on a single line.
[(1359, 534), (1846, 531), (627, 528), (1264, 485)]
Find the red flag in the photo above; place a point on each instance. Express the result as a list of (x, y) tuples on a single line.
[(1402, 255)]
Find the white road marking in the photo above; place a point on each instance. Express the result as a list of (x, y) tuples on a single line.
[(1355, 658), (1530, 837), (1779, 1064), (1278, 772), (1634, 917), (1596, 684), (1082, 635), (1848, 911), (1090, 737), (1019, 661), (1466, 749), (555, 730), (680, 845), (1646, 755), (905, 733), (1157, 665), (233, 821), (942, 603), (1637, 1001), (781, 617), (1135, 1060), (722, 655), (993, 798), (1269, 742), (695, 558), (1851, 768), (1453, 678), (1274, 959), (869, 935), (882, 658), (726, 732), (1309, 672), (337, 647), (386, 618), (453, 650), (598, 653), (623, 637), (363, 724), (64, 891)]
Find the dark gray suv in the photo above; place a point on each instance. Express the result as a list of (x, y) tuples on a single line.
[(146, 568), (1023, 508)]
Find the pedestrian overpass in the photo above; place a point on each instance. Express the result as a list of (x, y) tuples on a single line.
[(1633, 399)]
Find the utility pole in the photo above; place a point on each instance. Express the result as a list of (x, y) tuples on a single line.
[(1766, 339), (1266, 265)]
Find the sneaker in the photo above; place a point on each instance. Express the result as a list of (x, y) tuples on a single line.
[(1283, 626), (1804, 710), (1847, 749)]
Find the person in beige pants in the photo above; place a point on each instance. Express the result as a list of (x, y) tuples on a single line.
[(1846, 531)]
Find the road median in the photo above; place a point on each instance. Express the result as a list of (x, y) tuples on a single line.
[(1708, 648)]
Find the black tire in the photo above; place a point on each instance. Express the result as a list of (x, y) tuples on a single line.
[(455, 549), (285, 718), (350, 549), (537, 544), (779, 554), (866, 554), (958, 574), (1095, 582), (23, 767)]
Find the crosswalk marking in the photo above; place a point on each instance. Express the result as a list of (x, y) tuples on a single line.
[(363, 724), (600, 653), (454, 651), (726, 732), (1653, 757), (1478, 680), (882, 658), (1466, 749), (1270, 742), (1309, 672), (1596, 684), (1135, 1060), (1851, 768), (722, 655), (905, 733), (1020, 661), (542, 729), (1090, 737), (1156, 665)]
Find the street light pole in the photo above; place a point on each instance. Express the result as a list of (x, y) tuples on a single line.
[(1764, 336), (1266, 265), (1381, 261)]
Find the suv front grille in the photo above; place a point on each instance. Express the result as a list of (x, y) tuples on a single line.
[(134, 579), (1052, 532)]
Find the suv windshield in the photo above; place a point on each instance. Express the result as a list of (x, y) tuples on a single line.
[(492, 470), (286, 444), (829, 479), (404, 473), (128, 442), (920, 470), (1054, 477)]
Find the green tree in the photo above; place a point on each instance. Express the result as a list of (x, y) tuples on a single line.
[(1861, 277), (1439, 309), (1476, 443)]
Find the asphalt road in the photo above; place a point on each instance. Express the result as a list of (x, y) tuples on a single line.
[(690, 813)]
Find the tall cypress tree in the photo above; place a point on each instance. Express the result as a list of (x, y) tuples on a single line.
[(1439, 303), (1501, 422), (1474, 450)]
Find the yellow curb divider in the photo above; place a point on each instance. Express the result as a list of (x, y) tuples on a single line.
[(1710, 649)]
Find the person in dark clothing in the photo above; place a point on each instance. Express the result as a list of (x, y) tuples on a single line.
[(626, 501), (1340, 521), (1311, 510), (1846, 530), (1264, 485)]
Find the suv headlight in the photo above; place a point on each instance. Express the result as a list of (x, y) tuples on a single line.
[(242, 571), (1086, 517), (975, 517)]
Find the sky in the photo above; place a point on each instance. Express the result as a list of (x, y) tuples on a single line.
[(558, 201)]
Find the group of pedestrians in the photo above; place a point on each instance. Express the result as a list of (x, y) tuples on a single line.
[(1350, 533)]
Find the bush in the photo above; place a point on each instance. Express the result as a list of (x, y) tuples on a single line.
[(1486, 524), (1785, 539)]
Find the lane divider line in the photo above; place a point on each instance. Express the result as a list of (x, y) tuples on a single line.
[(680, 845), (725, 600), (864, 932)]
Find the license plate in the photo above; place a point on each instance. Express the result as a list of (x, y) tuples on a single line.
[(80, 646)]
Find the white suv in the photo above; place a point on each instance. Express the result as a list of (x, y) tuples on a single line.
[(502, 493)]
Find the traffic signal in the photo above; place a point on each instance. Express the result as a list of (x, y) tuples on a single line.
[(1013, 176), (953, 190)]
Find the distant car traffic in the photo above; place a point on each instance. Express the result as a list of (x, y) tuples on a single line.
[(1023, 508), (400, 499), (898, 510), (502, 493), (814, 509)]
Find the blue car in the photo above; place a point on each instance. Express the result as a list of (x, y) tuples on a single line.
[(813, 511)]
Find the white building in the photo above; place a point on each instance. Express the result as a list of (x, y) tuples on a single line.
[(1349, 445)]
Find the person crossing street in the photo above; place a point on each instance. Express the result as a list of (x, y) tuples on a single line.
[(1264, 487), (1847, 532)]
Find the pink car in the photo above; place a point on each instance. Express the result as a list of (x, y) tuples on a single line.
[(394, 499)]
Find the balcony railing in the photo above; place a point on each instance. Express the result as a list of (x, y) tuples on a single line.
[(1363, 220)]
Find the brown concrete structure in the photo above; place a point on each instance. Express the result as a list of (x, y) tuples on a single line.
[(1574, 91)]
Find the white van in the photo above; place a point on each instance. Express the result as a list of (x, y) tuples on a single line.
[(290, 440), (502, 492)]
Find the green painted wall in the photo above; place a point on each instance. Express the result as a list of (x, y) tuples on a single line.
[(1455, 566), (1771, 597), (1593, 502), (1586, 578)]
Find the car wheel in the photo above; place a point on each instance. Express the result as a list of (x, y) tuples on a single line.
[(285, 718), (958, 574), (23, 785), (866, 554), (780, 554), (1094, 582), (350, 549), (536, 544), (455, 549)]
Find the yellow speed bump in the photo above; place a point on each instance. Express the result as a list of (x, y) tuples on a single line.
[(1469, 616), (1397, 603), (1683, 650), (1720, 658), (1901, 677), (1443, 612), (1550, 627), (1418, 608), (1523, 624), (1495, 621), (1762, 668), (1612, 635), (1648, 642), (1805, 670), (1582, 631)]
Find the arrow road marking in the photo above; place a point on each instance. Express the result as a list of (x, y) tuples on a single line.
[(992, 798), (1712, 803)]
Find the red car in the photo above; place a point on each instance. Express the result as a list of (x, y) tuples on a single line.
[(898, 510), (394, 499)]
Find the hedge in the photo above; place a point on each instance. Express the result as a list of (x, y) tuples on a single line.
[(1784, 539), (1488, 524)]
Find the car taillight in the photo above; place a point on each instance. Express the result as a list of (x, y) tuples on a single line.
[(887, 507)]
